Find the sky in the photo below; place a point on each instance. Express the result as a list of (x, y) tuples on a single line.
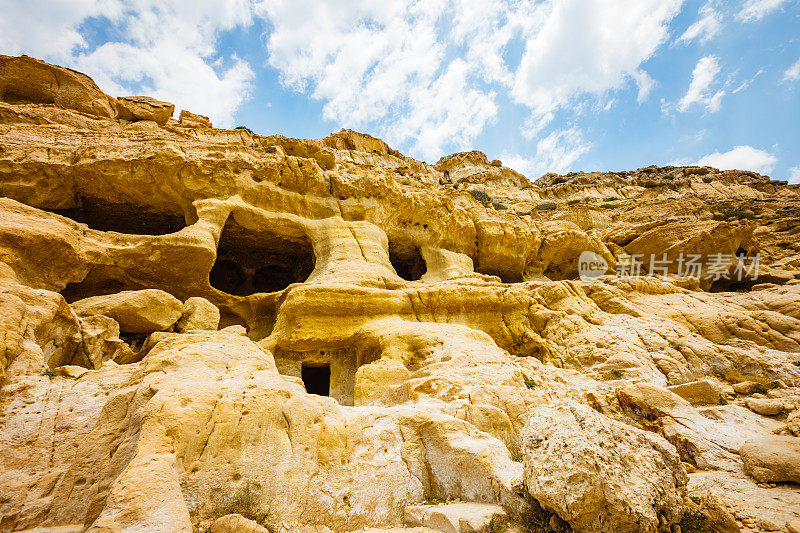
[(545, 85)]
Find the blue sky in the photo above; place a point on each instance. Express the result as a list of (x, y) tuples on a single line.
[(549, 85)]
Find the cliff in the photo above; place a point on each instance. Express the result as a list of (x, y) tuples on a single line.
[(323, 335)]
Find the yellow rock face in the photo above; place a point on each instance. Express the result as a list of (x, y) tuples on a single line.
[(205, 328)]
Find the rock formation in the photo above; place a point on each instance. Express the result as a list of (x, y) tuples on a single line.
[(209, 329)]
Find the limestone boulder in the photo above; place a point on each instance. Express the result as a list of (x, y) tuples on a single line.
[(458, 517), (601, 475), (236, 523), (793, 422), (772, 459), (187, 118), (100, 340), (701, 392), (143, 311), (198, 313), (766, 406), (135, 108), (27, 80)]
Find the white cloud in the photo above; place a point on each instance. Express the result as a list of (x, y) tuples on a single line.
[(741, 158), (429, 74), (555, 153), (699, 89), (707, 26), (386, 66), (645, 84), (587, 47), (167, 49), (49, 28), (794, 174), (792, 73), (754, 10)]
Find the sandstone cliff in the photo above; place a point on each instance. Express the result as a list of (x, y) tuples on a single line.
[(322, 335)]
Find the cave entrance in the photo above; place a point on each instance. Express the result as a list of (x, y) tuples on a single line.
[(250, 261), (407, 261), (122, 218), (317, 378)]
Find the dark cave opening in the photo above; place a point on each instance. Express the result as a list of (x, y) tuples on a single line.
[(92, 285), (250, 261), (407, 262), (317, 378), (122, 218)]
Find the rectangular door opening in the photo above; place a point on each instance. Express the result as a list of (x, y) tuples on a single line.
[(317, 378)]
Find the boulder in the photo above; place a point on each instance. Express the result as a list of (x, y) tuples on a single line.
[(745, 388), (70, 371), (193, 120), (702, 392), (772, 459), (100, 340), (143, 311), (144, 108), (198, 313), (25, 80), (236, 523), (793, 422), (457, 517), (600, 475), (765, 406)]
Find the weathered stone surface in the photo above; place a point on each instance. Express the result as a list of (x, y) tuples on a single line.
[(198, 313), (599, 474), (439, 307), (458, 517), (141, 311), (187, 118), (144, 108), (772, 459), (26, 80), (700, 392), (236, 523), (766, 406)]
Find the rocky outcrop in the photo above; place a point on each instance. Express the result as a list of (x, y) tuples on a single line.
[(213, 328), (25, 80), (580, 464), (187, 118), (771, 459), (144, 108), (142, 311)]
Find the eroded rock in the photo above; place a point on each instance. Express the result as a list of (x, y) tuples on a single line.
[(598, 474), (142, 311)]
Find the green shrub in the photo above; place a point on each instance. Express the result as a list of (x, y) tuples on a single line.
[(547, 206), (245, 128), (480, 196), (611, 199), (530, 383), (696, 522), (558, 180), (499, 206), (739, 214), (49, 373), (573, 202), (608, 206)]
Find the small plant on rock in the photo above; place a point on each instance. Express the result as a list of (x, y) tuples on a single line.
[(480, 196), (546, 206)]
